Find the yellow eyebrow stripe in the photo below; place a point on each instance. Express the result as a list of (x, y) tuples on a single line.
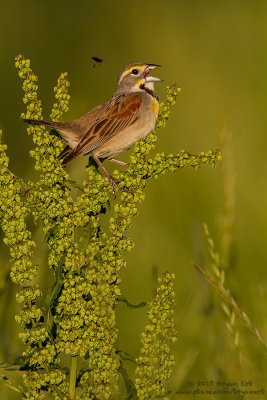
[(130, 68)]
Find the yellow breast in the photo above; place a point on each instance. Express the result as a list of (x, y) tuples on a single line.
[(155, 106)]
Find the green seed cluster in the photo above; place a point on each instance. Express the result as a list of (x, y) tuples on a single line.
[(30, 88), (172, 92), (52, 380), (106, 258), (13, 213), (48, 146), (78, 317), (18, 238), (61, 94), (49, 202), (156, 361), (99, 332), (81, 325)]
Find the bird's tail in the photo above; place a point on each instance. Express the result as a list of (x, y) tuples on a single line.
[(69, 158), (67, 130), (55, 125)]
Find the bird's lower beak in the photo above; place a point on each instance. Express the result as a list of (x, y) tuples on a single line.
[(151, 78)]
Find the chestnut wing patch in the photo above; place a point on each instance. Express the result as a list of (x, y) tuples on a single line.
[(127, 108), (120, 113)]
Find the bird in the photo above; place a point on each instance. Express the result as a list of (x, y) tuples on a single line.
[(115, 125)]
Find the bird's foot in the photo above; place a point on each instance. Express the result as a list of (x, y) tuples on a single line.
[(114, 184)]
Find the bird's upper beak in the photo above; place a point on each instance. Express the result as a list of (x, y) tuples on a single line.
[(151, 78)]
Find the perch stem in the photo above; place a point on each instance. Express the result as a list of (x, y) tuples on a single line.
[(73, 375)]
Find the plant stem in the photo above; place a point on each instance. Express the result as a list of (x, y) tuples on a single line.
[(73, 374)]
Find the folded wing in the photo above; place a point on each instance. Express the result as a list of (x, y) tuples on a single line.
[(112, 117)]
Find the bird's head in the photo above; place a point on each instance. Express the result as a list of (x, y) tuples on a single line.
[(135, 77)]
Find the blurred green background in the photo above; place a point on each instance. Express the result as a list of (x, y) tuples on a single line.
[(216, 51)]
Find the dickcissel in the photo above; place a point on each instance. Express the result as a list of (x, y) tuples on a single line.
[(114, 126)]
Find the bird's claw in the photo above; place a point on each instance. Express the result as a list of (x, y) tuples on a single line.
[(114, 184)]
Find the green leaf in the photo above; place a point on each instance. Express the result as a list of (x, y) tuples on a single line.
[(129, 384), (52, 294), (124, 300), (51, 233), (125, 356), (74, 184), (19, 361)]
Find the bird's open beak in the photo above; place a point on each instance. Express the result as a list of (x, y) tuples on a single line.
[(151, 78)]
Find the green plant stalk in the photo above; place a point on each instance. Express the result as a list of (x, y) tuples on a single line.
[(219, 274), (11, 385), (73, 376), (228, 298)]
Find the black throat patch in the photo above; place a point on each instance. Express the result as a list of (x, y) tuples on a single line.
[(150, 92)]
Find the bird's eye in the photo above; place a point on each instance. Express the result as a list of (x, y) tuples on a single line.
[(135, 71)]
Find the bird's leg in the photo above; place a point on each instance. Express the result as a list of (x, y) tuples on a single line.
[(113, 182), (120, 163), (125, 164)]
